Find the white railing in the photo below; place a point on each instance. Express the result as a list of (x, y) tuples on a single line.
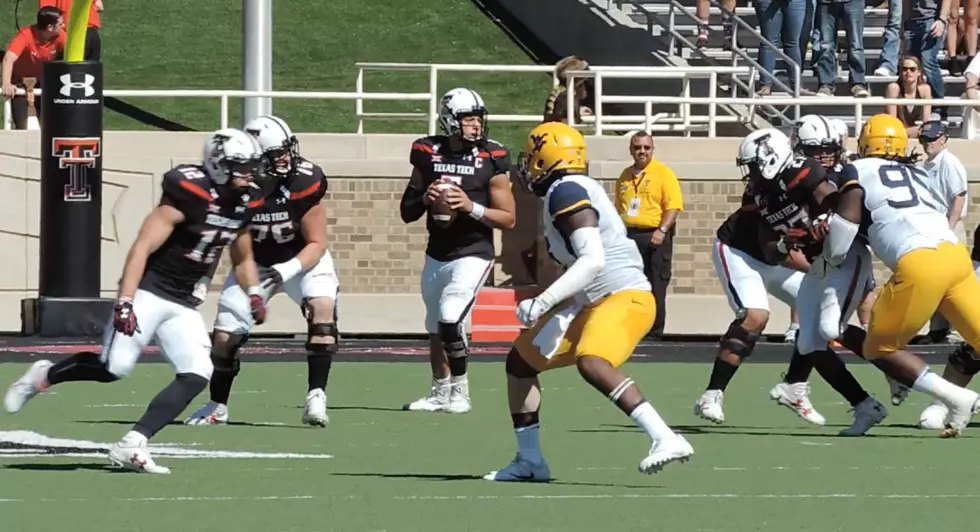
[(682, 120)]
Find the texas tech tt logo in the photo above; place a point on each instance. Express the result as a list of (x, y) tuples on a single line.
[(77, 155)]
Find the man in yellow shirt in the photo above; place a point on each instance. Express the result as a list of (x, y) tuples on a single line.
[(648, 198)]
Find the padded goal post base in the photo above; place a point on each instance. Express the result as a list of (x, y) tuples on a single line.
[(73, 317)]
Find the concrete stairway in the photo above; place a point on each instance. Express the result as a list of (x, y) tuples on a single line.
[(749, 43)]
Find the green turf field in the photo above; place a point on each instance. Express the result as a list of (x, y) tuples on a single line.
[(399, 471), (196, 44)]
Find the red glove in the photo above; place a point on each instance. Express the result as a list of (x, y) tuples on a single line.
[(258, 308), (124, 317)]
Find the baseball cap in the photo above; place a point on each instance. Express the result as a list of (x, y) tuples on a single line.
[(932, 130)]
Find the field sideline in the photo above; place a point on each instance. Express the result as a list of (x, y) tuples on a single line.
[(378, 468)]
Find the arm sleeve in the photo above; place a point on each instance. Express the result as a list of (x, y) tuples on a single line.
[(673, 197), (586, 243), (568, 197)]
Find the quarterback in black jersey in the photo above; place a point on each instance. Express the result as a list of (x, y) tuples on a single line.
[(289, 236), (750, 270), (464, 173), (795, 198), (203, 208)]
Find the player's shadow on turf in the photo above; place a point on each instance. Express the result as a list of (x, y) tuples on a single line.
[(371, 408), (66, 467), (806, 432), (181, 423), (445, 477)]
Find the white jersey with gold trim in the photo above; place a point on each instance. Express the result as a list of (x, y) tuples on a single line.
[(623, 269)]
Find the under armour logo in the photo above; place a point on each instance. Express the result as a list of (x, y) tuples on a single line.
[(67, 85)]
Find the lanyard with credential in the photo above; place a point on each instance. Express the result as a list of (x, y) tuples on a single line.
[(633, 209)]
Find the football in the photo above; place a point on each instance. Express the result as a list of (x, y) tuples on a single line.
[(442, 213)]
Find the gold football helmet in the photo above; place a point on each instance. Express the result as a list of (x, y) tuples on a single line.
[(883, 136), (550, 147)]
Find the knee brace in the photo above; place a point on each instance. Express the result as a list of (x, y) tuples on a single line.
[(322, 329), (738, 340), (965, 359), (451, 336), (232, 364)]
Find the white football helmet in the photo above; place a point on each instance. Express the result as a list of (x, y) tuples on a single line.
[(457, 104), (231, 153), (279, 146), (841, 128), (764, 153), (816, 131)]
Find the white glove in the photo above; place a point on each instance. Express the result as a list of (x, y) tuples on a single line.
[(819, 267), (200, 292), (529, 310)]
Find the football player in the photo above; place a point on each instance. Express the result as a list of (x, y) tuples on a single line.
[(203, 208), (592, 316), (750, 270), (289, 238), (792, 191), (459, 256), (931, 270)]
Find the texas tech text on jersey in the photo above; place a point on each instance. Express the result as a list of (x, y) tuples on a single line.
[(276, 233), (470, 170), (786, 203), (211, 222)]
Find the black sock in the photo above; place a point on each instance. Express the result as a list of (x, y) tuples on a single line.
[(525, 419), (318, 370), (225, 371), (721, 375), (830, 366), (457, 366), (799, 369), (169, 403), (80, 367)]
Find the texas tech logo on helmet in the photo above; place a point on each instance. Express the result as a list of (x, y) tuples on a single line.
[(77, 155)]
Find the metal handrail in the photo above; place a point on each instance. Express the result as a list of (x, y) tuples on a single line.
[(796, 69)]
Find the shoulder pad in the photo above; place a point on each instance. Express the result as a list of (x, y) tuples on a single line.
[(848, 177), (422, 151), (498, 154), (185, 185), (567, 197), (803, 173), (309, 182)]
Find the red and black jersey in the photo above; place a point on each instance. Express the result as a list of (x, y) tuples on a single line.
[(276, 231), (745, 228), (785, 202), (213, 218), (471, 170)]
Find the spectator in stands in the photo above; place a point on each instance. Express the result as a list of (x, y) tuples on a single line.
[(888, 60), (780, 23), (703, 12), (925, 26), (648, 199), (948, 184), (971, 116), (961, 35), (556, 107), (93, 43), (30, 47), (851, 14), (910, 86)]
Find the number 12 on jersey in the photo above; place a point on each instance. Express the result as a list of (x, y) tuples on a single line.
[(211, 242)]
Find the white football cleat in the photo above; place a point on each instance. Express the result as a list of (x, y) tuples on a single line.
[(436, 401), (934, 416), (899, 392), (521, 470), (709, 406), (209, 414), (665, 451), (133, 455), (33, 382), (315, 411), (459, 397), (960, 414), (796, 397), (867, 414)]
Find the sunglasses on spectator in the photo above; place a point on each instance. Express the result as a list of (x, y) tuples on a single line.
[(909, 68)]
